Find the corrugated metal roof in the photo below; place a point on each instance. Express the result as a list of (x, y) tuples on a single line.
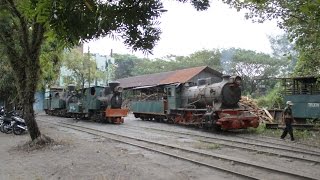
[(178, 76)]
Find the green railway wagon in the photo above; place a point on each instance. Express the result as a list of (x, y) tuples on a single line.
[(304, 92), (305, 106)]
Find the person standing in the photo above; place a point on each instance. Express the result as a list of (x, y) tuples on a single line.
[(288, 119)]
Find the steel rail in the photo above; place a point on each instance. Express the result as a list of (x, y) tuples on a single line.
[(66, 125), (280, 140), (216, 156), (241, 147), (295, 150)]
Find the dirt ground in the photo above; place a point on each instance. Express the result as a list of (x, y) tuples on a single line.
[(75, 156)]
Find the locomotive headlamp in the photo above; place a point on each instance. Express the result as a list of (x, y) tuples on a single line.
[(118, 89)]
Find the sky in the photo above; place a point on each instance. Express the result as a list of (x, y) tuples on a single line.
[(185, 31)]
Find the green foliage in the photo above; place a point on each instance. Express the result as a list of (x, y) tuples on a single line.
[(251, 66), (79, 67), (8, 90), (125, 64), (135, 21), (285, 50), (128, 65), (302, 134), (209, 58), (306, 136), (259, 130), (308, 65), (50, 63), (274, 99), (299, 18)]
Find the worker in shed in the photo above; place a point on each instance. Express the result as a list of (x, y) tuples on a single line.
[(288, 119)]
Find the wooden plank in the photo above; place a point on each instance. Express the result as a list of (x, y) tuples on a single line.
[(268, 114)]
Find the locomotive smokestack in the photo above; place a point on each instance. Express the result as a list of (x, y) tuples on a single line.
[(113, 84), (226, 77)]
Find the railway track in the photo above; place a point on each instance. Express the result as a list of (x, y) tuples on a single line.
[(231, 165), (271, 143), (282, 150), (275, 145), (279, 141)]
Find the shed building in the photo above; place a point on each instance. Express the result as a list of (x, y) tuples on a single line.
[(191, 75)]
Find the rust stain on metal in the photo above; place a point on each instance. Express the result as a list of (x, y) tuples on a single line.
[(116, 112)]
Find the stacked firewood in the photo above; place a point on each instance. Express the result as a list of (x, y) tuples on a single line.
[(262, 113)]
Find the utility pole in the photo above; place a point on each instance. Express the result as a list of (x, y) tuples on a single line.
[(106, 68), (89, 64), (111, 54), (96, 78)]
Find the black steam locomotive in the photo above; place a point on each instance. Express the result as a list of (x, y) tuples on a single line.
[(211, 105)]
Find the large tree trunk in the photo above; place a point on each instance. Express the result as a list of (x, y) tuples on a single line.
[(22, 43), (29, 116), (27, 86), (27, 79)]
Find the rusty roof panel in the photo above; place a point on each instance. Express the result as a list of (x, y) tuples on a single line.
[(178, 76), (183, 75)]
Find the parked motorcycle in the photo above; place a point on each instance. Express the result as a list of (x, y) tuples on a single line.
[(19, 126), (7, 123), (13, 123), (2, 113), (1, 122)]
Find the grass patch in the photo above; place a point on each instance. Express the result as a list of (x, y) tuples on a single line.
[(272, 132), (203, 145), (259, 130), (306, 136), (302, 134)]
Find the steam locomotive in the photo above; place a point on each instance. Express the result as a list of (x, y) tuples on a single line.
[(206, 104), (96, 103)]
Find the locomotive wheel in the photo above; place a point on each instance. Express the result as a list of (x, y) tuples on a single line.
[(200, 125), (170, 120), (217, 128)]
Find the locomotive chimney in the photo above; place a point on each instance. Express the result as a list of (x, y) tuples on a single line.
[(71, 87), (225, 77), (113, 85)]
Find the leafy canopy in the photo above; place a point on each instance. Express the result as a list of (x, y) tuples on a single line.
[(128, 65), (251, 66), (81, 20), (299, 18)]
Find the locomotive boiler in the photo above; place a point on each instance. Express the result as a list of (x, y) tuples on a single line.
[(225, 94), (211, 105)]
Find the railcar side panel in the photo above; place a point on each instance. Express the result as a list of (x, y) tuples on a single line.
[(305, 106), (148, 107)]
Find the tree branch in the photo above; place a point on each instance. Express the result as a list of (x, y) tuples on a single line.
[(37, 38), (23, 24)]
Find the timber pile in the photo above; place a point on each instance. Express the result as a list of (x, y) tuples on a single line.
[(262, 113)]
